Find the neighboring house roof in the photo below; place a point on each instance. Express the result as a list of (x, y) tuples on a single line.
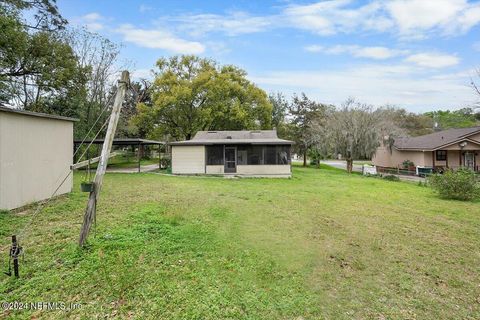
[(435, 140), (234, 137), (36, 114)]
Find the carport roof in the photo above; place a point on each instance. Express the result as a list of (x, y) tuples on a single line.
[(123, 141)]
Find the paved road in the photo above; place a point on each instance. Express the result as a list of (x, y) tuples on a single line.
[(341, 165), (358, 168)]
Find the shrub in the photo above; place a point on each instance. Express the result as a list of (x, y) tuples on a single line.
[(407, 164), (391, 177), (165, 162), (460, 184)]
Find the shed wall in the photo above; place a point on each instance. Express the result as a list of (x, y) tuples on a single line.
[(188, 159), (35, 156)]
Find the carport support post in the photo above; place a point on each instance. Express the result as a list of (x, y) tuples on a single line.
[(139, 157), (159, 157)]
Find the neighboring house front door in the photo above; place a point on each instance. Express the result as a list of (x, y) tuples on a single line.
[(230, 159), (470, 160)]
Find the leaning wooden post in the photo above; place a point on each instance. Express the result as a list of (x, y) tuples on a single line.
[(90, 212)]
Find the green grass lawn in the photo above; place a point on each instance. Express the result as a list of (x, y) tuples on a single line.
[(323, 244)]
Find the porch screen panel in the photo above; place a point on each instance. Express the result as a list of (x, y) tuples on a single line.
[(283, 155), (214, 155), (254, 155), (242, 154), (271, 155)]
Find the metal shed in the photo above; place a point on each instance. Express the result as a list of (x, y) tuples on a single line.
[(36, 152)]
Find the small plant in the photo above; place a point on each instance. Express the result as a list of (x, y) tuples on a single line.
[(391, 177), (408, 164), (459, 185)]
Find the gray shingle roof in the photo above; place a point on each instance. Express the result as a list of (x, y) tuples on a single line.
[(235, 137), (435, 140)]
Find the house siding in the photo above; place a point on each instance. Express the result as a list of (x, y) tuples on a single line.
[(35, 156), (395, 158), (188, 159), (264, 169), (215, 169)]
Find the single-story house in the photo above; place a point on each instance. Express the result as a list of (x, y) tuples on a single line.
[(241, 153), (452, 148), (36, 151)]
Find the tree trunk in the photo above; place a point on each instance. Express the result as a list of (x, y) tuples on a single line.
[(305, 159), (349, 165)]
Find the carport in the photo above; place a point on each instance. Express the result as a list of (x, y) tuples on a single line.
[(132, 142)]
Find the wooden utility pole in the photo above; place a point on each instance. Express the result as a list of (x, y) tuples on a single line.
[(90, 212)]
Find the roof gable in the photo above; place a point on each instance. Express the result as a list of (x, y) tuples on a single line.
[(435, 140)]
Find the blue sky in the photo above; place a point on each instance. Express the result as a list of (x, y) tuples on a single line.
[(417, 54)]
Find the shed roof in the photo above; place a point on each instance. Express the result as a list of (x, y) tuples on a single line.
[(36, 114), (435, 140), (235, 137)]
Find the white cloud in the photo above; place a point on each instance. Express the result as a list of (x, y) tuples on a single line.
[(93, 21), (433, 60), (333, 16), (409, 19), (144, 8), (414, 17), (378, 84), (231, 24), (142, 74), (159, 39), (375, 52)]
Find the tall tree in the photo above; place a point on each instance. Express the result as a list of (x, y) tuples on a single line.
[(46, 16), (279, 113), (413, 124), (191, 94), (355, 131), (462, 118), (98, 59), (307, 119), (34, 65)]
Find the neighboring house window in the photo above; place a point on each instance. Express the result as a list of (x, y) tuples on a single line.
[(441, 155), (214, 155)]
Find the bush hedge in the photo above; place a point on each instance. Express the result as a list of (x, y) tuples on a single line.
[(460, 184)]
